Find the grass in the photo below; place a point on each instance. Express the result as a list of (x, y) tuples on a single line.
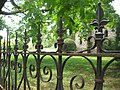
[(74, 66)]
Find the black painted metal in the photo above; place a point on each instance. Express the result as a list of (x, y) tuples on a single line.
[(7, 65)]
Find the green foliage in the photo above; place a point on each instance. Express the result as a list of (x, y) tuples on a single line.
[(117, 44), (77, 15), (2, 24), (109, 45), (75, 66), (69, 45)]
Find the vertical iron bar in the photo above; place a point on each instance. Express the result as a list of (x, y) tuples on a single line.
[(24, 70), (16, 57), (38, 47), (0, 58), (60, 74), (99, 77), (38, 60), (38, 72), (60, 66), (99, 35), (25, 46), (9, 56), (99, 25), (4, 64)]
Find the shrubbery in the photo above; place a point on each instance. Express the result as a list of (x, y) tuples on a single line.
[(69, 45), (112, 46)]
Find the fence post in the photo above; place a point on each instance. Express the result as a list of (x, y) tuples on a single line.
[(38, 47), (16, 58), (60, 42), (99, 25), (9, 62), (25, 46), (99, 77)]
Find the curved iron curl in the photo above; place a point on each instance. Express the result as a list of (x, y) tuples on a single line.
[(32, 68), (22, 54), (102, 41), (18, 64), (110, 62), (92, 47), (47, 70), (20, 67), (65, 61), (91, 63), (4, 63), (55, 61), (13, 64), (77, 85)]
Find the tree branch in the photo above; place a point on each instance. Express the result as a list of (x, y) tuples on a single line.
[(14, 4), (2, 2), (10, 13)]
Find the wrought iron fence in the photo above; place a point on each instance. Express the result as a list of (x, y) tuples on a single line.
[(9, 69)]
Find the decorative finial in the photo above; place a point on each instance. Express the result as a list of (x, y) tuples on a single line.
[(38, 45), (25, 46), (99, 12), (60, 31), (100, 22)]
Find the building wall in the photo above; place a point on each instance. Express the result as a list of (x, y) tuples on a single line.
[(83, 46)]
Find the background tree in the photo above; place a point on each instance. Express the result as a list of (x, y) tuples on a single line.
[(77, 15), (2, 23), (117, 41)]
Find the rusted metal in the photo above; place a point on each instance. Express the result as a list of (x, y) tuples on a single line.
[(9, 69)]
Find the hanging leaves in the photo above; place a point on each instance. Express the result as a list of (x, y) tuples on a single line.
[(77, 14)]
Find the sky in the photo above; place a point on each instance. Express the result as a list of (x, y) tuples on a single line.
[(116, 5), (11, 22)]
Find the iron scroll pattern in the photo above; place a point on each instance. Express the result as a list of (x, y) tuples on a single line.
[(9, 69)]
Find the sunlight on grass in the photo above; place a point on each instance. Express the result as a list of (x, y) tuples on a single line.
[(75, 66)]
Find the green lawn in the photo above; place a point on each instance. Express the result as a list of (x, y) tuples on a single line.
[(76, 66)]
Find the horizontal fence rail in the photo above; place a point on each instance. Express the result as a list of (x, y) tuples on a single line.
[(16, 62)]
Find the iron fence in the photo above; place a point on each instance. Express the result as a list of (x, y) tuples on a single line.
[(10, 66)]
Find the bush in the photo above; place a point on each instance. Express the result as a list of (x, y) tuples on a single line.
[(69, 45), (113, 45), (109, 46)]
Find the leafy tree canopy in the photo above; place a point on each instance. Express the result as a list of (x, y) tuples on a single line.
[(77, 15), (2, 23)]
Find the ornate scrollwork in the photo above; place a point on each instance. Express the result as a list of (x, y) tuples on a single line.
[(106, 41), (4, 63), (47, 70), (32, 69), (13, 65), (94, 42), (20, 67), (108, 64), (77, 85), (91, 63), (91, 47)]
